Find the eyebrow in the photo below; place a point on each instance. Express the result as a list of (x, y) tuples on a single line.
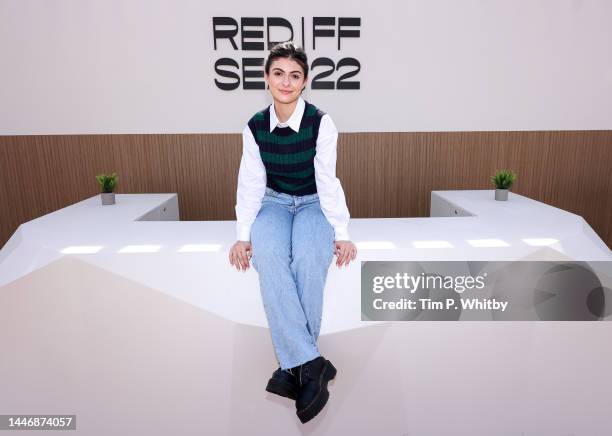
[(280, 69)]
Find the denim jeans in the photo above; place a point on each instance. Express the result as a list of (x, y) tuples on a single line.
[(292, 248)]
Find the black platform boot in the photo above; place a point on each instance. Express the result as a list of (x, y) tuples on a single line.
[(283, 383), (312, 378)]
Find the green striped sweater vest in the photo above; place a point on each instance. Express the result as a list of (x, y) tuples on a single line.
[(288, 155)]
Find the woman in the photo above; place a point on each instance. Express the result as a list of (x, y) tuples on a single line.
[(291, 220)]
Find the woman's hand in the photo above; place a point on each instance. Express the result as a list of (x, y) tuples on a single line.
[(346, 251), (239, 255)]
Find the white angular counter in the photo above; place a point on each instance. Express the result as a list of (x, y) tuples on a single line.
[(137, 323)]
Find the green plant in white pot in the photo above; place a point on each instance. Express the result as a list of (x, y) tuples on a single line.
[(503, 180), (107, 182)]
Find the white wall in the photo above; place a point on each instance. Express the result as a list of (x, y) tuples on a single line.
[(146, 66)]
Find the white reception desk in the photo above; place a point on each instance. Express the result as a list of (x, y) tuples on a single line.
[(96, 293), (141, 238)]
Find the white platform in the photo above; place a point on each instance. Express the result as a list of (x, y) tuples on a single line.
[(516, 229), (102, 331)]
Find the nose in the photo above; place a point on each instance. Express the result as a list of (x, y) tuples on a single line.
[(285, 80)]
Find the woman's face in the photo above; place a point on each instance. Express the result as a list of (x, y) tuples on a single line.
[(286, 80)]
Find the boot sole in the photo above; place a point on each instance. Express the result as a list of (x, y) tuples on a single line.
[(333, 371), (319, 402), (282, 389)]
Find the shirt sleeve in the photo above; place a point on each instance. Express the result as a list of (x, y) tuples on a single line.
[(331, 195), (251, 186)]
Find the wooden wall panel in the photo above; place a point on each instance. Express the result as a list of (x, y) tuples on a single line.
[(383, 174)]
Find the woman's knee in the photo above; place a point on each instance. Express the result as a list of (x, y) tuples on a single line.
[(312, 261), (313, 249), (270, 251)]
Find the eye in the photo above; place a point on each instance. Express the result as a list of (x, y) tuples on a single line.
[(277, 73), (296, 76)]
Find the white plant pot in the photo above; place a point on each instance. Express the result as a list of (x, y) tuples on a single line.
[(501, 194), (108, 198)]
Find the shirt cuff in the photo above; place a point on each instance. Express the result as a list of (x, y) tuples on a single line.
[(243, 232), (341, 233)]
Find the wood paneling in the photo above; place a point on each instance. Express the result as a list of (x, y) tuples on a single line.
[(383, 174)]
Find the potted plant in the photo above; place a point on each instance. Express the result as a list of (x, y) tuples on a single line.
[(503, 180), (107, 183)]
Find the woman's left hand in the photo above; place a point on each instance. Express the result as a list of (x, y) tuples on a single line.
[(346, 251)]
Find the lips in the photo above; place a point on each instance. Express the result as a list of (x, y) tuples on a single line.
[(286, 92)]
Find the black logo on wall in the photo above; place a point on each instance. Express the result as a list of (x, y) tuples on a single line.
[(248, 35)]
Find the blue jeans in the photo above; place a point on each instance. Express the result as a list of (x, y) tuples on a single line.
[(292, 248)]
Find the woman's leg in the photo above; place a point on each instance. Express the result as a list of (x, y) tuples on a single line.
[(312, 253), (271, 244)]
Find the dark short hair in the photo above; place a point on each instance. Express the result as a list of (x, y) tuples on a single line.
[(288, 50)]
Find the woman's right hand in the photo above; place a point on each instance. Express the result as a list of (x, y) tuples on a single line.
[(239, 255)]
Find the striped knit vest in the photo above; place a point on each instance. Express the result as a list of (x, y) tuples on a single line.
[(288, 155)]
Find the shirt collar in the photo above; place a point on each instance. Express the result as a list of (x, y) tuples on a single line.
[(294, 120)]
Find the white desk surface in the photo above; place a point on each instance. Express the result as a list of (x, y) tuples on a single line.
[(205, 278)]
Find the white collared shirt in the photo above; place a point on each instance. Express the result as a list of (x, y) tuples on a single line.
[(252, 176)]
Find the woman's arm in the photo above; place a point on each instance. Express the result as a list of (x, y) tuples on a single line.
[(331, 195), (251, 186), (251, 189)]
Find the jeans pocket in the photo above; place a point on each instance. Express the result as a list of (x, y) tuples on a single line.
[(271, 193), (267, 199)]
